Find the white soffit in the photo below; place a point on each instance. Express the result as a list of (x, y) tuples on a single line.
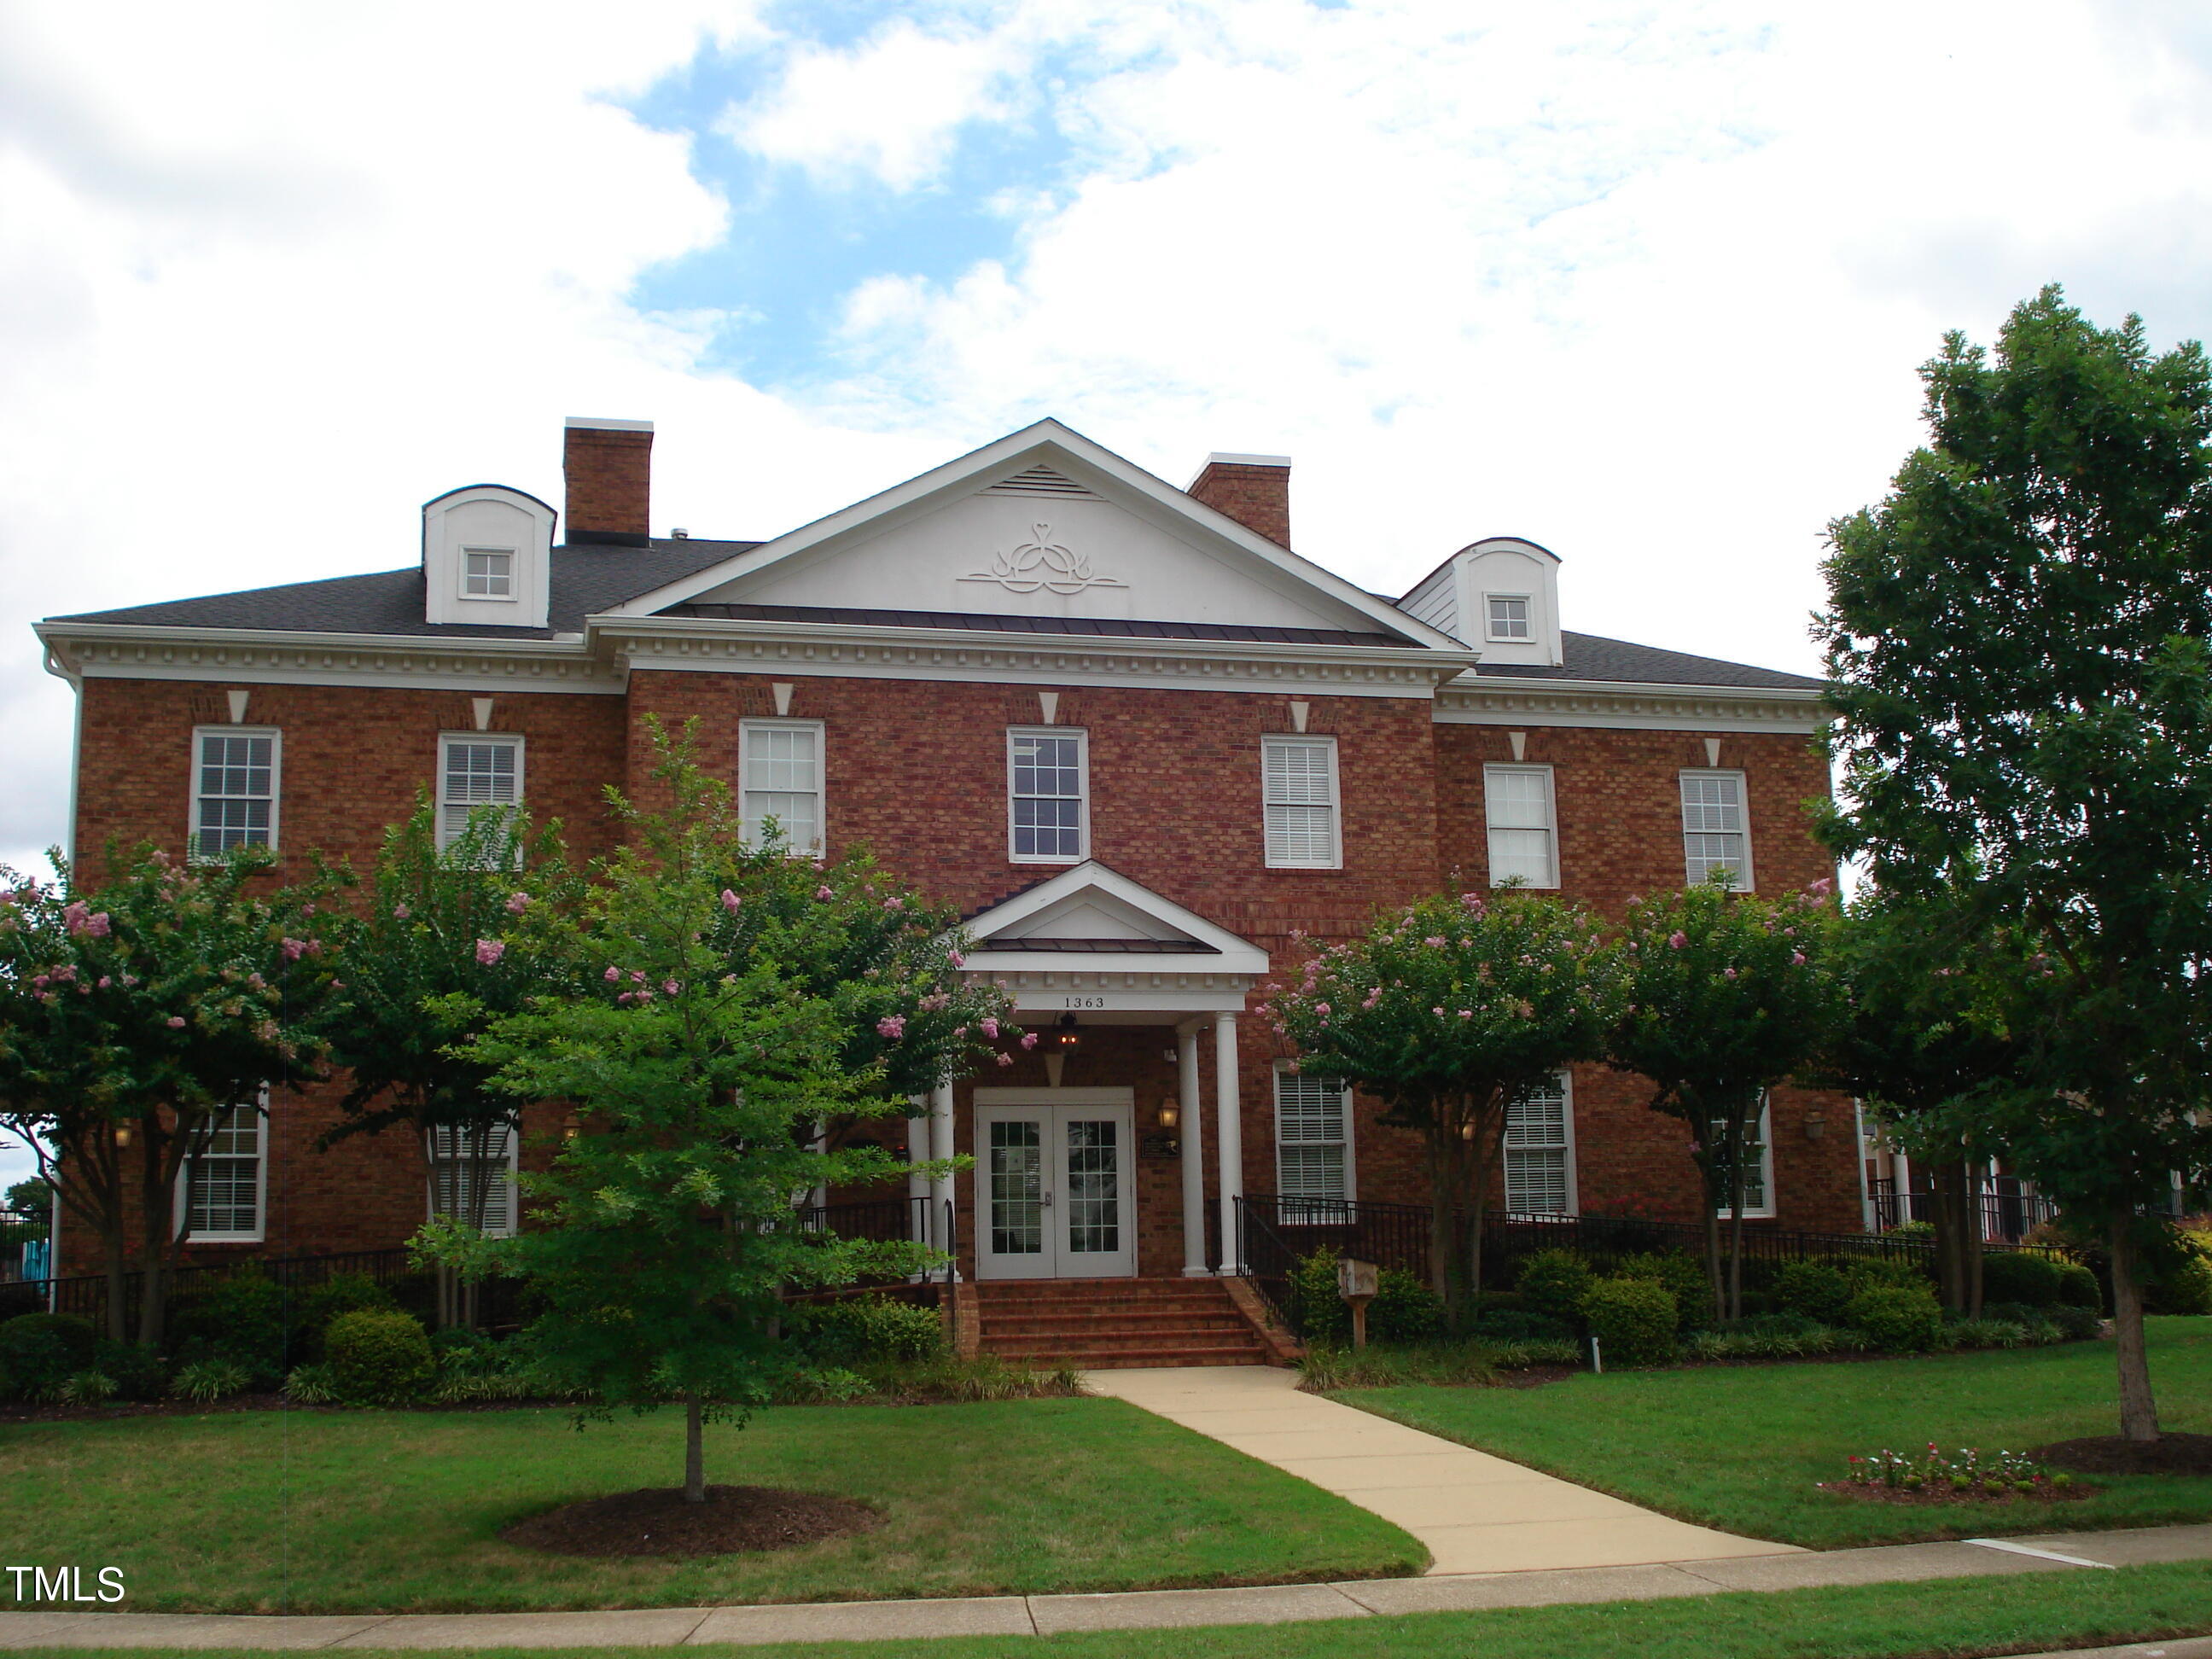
[(1089, 896)]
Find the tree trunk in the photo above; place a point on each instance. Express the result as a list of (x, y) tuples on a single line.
[(1713, 1208), (2138, 1408), (1735, 1215), (695, 1452), (1443, 1234), (112, 1247), (1970, 1237), (1479, 1183), (161, 1234)]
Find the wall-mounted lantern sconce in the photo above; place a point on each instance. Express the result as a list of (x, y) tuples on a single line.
[(1170, 1115), (1816, 1125), (570, 1126), (122, 1136), (1069, 1037)]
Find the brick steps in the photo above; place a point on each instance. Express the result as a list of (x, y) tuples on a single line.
[(1102, 1324)]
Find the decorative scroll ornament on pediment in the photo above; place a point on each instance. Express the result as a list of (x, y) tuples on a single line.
[(1041, 564)]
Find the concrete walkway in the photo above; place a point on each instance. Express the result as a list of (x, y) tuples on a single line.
[(1050, 1615), (1475, 1512)]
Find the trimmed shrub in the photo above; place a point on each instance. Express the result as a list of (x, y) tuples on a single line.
[(210, 1380), (857, 1329), (1554, 1282), (2077, 1324), (378, 1358), (460, 1351), (315, 1307), (2183, 1286), (1517, 1325), (138, 1372), (2078, 1287), (41, 1351), (1773, 1324), (1897, 1318), (1817, 1291), (2020, 1276), (1404, 1309), (1867, 1273), (242, 1318), (1632, 1319), (1684, 1276)]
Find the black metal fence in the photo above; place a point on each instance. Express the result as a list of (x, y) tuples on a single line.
[(2009, 1212)]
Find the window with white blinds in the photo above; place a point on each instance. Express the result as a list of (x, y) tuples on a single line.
[(1715, 833), (1047, 805), (1298, 796), (234, 777), (221, 1189), (1757, 1163), (1312, 1144), (472, 1176), (472, 772), (1517, 807), (781, 763), (1539, 1151)]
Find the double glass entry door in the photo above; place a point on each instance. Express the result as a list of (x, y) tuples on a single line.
[(1054, 1183)]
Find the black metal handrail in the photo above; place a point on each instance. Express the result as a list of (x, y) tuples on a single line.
[(2009, 1213)]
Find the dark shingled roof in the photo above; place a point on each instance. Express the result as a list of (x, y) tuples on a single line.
[(1590, 657), (584, 580), (1086, 627)]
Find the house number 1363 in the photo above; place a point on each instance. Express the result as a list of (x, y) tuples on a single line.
[(1083, 1002)]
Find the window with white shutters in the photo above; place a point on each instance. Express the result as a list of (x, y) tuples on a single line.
[(1757, 1163), (1313, 1146), (781, 763), (1298, 796), (220, 1191), (1715, 833), (1047, 808), (475, 772), (472, 1176), (234, 779), (1517, 807), (1540, 1152)]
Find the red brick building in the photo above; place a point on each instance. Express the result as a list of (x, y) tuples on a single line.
[(1139, 741)]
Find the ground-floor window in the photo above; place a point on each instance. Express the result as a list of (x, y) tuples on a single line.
[(220, 1193), (1539, 1151), (472, 1176), (1313, 1144), (1757, 1163)]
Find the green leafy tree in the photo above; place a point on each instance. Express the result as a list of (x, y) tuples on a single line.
[(132, 1016), (2018, 636), (450, 938), (1450, 1011), (34, 1198), (1725, 995), (700, 1060)]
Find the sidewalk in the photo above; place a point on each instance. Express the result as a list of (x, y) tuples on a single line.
[(1475, 1513), (1050, 1615)]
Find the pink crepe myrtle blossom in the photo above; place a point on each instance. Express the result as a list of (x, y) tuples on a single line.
[(1434, 941), (958, 961), (613, 974), (1028, 1039), (1006, 1059), (176, 1022), (517, 903), (1728, 973), (673, 988), (1678, 941), (823, 893), (637, 976), (1797, 958), (730, 900), (489, 950), (83, 922), (400, 912), (104, 982), (989, 1028), (892, 1026), (894, 902), (292, 949)]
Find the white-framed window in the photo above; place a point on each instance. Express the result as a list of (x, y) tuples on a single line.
[(1298, 796), (1047, 794), (474, 770), (1757, 1163), (237, 771), (1518, 812), (466, 1167), (1539, 1149), (780, 764), (1313, 1146), (1505, 616), (221, 1187), (487, 573), (1716, 831)]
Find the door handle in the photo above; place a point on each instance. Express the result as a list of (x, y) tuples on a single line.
[(1046, 1201)]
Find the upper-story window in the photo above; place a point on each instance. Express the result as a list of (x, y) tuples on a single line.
[(1298, 799), (487, 573), (1047, 795), (220, 1192), (1716, 834), (1507, 616), (473, 771), (234, 778), (1516, 806), (780, 764)]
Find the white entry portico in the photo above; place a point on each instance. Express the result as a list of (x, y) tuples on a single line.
[(1092, 943)]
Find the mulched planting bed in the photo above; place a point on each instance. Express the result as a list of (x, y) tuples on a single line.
[(1928, 1498), (656, 1520), (2107, 1454)]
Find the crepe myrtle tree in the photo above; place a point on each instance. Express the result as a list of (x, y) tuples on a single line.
[(1724, 995), (133, 1015), (2020, 641), (447, 939), (1450, 1011), (699, 1056)]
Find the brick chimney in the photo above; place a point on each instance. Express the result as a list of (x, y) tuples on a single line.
[(1253, 489), (608, 468)]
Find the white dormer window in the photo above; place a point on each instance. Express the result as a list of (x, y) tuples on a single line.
[(487, 573), (1507, 616)]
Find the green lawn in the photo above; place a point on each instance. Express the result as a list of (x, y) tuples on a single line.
[(1740, 1447), (2027, 1613), (398, 1511)]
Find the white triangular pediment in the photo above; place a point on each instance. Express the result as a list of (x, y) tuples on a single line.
[(1091, 910), (1042, 524)]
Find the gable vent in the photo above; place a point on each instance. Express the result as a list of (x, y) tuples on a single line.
[(1040, 480)]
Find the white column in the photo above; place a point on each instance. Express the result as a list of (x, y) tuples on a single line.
[(1228, 1138), (1859, 1157), (940, 1190), (817, 1197), (917, 1184), (1193, 1110), (1900, 1177)]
